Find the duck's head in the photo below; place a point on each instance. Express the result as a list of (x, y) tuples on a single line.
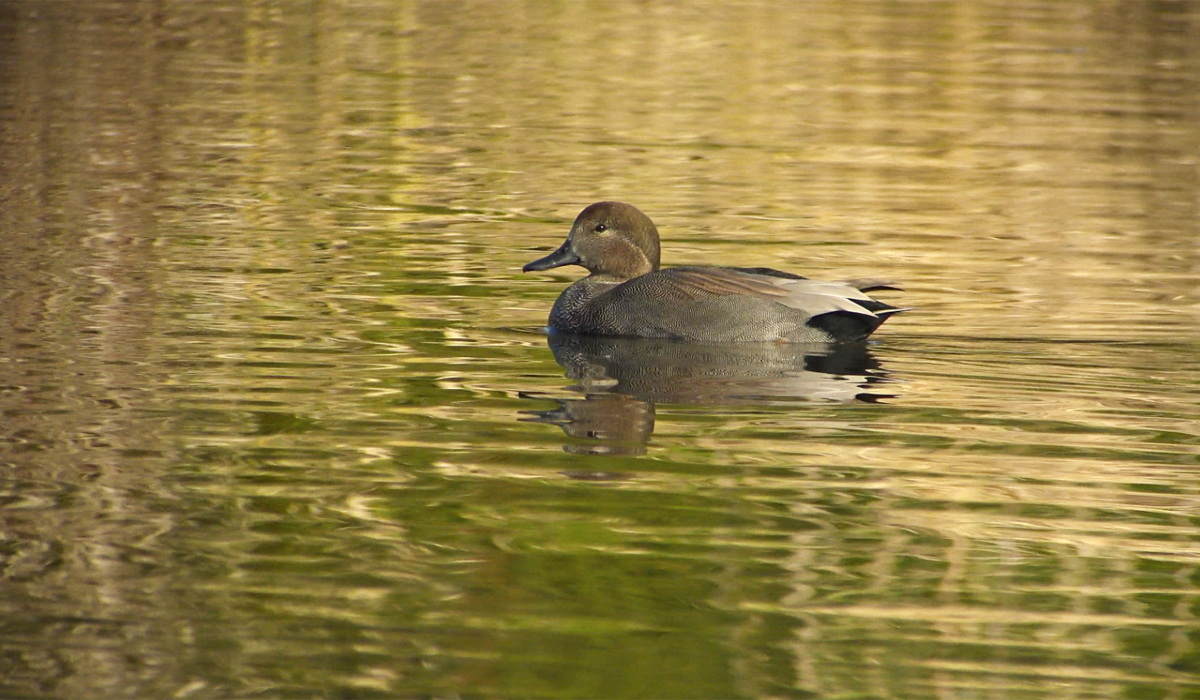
[(608, 238)]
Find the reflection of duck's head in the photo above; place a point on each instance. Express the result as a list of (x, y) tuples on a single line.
[(627, 294), (611, 239), (603, 423)]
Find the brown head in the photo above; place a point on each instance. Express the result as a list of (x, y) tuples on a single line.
[(607, 238)]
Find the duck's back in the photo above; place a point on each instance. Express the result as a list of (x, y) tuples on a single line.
[(713, 304)]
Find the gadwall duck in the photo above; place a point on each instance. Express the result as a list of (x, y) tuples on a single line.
[(627, 294)]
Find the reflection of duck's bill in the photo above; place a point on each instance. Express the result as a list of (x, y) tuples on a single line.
[(563, 256), (867, 397)]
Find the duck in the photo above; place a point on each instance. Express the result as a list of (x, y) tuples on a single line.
[(627, 293)]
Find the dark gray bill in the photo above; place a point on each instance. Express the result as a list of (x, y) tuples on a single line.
[(563, 256)]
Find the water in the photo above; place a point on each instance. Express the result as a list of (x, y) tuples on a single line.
[(279, 419)]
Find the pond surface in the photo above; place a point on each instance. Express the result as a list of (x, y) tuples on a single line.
[(280, 418)]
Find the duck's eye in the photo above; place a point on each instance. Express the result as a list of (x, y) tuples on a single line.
[(600, 228)]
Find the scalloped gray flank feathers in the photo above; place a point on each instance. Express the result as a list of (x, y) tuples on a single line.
[(627, 294)]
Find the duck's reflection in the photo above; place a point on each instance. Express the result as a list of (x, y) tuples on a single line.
[(621, 380)]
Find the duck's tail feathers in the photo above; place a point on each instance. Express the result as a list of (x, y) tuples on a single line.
[(846, 326)]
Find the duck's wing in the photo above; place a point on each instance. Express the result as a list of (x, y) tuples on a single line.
[(872, 284), (814, 297), (862, 284), (766, 272), (714, 303)]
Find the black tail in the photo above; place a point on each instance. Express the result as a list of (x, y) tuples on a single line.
[(852, 327)]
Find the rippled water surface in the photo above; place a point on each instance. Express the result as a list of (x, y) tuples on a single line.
[(280, 420)]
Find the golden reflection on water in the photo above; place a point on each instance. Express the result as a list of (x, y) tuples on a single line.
[(266, 348)]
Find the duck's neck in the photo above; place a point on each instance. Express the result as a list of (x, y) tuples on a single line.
[(588, 288), (572, 311)]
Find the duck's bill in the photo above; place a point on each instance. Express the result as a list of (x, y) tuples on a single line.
[(563, 256)]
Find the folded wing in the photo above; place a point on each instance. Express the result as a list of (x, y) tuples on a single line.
[(840, 309)]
